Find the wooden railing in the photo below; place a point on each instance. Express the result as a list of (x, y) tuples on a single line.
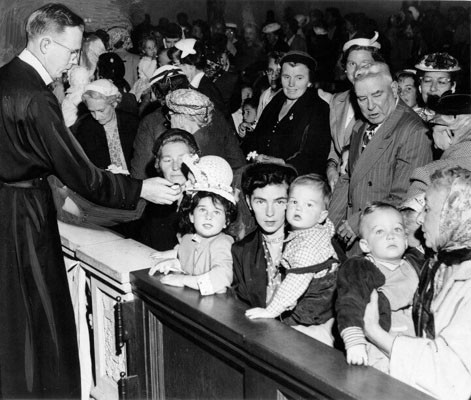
[(183, 345), (171, 343)]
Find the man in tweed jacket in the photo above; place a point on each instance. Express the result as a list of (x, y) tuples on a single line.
[(384, 151)]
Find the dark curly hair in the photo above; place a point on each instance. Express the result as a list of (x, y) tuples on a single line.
[(190, 202), (263, 174)]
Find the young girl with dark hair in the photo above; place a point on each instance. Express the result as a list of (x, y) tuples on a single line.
[(203, 260)]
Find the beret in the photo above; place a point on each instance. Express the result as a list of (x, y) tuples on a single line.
[(299, 57)]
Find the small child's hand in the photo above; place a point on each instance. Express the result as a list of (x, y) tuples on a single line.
[(244, 127), (162, 255), (177, 280), (255, 313), (164, 266), (356, 355)]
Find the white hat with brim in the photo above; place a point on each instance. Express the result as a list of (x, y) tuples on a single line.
[(273, 27), (211, 174), (364, 42)]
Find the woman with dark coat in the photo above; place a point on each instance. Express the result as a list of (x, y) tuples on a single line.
[(294, 126), (106, 133)]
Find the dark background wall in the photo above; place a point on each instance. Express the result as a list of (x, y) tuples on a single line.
[(107, 13)]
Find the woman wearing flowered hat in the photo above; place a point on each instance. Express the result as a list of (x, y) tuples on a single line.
[(192, 111), (438, 73)]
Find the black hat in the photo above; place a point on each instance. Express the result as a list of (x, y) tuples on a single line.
[(454, 104), (172, 31), (110, 66), (299, 57)]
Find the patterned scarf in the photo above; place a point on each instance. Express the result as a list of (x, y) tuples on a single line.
[(454, 244)]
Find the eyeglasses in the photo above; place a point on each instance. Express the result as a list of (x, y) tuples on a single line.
[(73, 53), (441, 83)]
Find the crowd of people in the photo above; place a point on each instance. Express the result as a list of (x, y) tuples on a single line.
[(314, 167)]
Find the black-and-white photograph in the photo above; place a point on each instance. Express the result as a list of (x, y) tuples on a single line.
[(235, 199)]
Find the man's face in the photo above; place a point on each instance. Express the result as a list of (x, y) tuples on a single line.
[(61, 51), (376, 98), (250, 35)]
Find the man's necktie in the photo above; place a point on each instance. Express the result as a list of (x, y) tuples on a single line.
[(368, 135)]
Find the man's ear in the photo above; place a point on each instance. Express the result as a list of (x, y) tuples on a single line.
[(394, 87), (453, 87), (323, 216), (44, 44), (365, 248)]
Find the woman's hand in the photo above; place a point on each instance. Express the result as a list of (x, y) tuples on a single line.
[(373, 331), (371, 317)]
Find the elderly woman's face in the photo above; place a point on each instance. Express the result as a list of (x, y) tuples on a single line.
[(294, 80), (183, 121), (101, 110), (170, 161), (429, 218), (435, 83)]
